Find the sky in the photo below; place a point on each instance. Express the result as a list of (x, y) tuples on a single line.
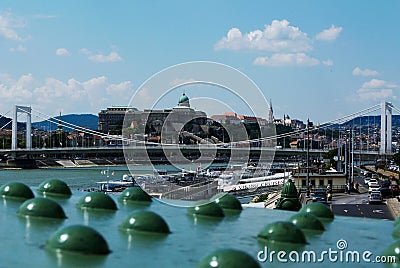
[(312, 59)]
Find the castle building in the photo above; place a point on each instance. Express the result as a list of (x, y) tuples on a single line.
[(168, 122)]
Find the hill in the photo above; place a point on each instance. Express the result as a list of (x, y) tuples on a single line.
[(5, 123), (83, 120), (371, 120)]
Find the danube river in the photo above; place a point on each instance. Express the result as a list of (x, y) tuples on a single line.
[(76, 178), (191, 238)]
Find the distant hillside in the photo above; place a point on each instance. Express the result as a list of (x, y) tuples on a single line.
[(372, 120), (83, 120), (5, 123)]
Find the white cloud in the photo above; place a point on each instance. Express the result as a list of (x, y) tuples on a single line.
[(374, 95), (44, 16), (329, 34), (62, 52), (327, 62), (366, 72), (19, 48), (120, 89), (16, 90), (180, 81), (376, 90), (9, 25), (72, 96), (290, 59), (112, 57), (375, 83), (276, 37), (84, 51)]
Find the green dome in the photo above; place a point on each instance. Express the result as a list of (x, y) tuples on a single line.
[(183, 98), (307, 221), (229, 258), (227, 201), (209, 209), (16, 190), (282, 231), (54, 187), (393, 250), (319, 210), (134, 194), (397, 221), (41, 207), (80, 239), (396, 232), (145, 221), (97, 200)]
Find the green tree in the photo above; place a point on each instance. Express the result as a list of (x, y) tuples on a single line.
[(330, 155), (396, 158)]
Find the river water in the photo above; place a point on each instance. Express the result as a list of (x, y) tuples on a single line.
[(191, 238), (77, 178)]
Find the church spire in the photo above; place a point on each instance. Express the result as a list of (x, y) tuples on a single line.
[(271, 112)]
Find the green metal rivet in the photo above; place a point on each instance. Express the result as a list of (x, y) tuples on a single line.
[(307, 221), (41, 207), (145, 221), (16, 190), (318, 210), (134, 194), (54, 187), (397, 221), (393, 250), (228, 258), (210, 209), (97, 200), (396, 232), (227, 201), (78, 238), (282, 231)]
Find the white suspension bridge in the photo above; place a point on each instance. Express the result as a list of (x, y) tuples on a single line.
[(364, 145)]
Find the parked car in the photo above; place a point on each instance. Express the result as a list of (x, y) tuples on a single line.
[(373, 182), (386, 183), (385, 192), (319, 195), (375, 198), (373, 187)]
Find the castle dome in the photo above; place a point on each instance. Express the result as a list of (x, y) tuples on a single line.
[(184, 100)]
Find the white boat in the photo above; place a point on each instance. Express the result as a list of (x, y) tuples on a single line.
[(115, 186), (250, 184)]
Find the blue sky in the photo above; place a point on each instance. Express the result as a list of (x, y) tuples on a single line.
[(314, 59)]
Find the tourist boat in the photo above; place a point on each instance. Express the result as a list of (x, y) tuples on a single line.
[(242, 186), (116, 186)]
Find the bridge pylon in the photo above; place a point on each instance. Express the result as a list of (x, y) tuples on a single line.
[(14, 140), (386, 128)]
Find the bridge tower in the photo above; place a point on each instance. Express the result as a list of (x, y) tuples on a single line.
[(386, 128), (21, 109)]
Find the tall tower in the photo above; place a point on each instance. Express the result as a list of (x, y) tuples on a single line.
[(14, 139), (386, 128), (59, 127), (270, 113)]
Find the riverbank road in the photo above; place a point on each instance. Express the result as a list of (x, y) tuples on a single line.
[(357, 205)]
